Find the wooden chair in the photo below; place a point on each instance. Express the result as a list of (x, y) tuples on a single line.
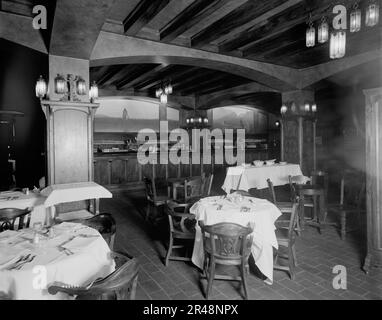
[(181, 227), (285, 208), (105, 224), (207, 184), (193, 190), (11, 217), (286, 240), (119, 285), (153, 199), (320, 178), (227, 244), (351, 200)]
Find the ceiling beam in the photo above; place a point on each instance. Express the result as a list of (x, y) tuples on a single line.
[(211, 15), (243, 14), (130, 83), (316, 73), (18, 29), (242, 34), (190, 16), (108, 74), (113, 48), (142, 14)]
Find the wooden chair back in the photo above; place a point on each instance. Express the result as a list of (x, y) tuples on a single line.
[(293, 220), (272, 191), (11, 217), (193, 188), (207, 184), (227, 241), (105, 224), (352, 192), (181, 223), (320, 178), (119, 285), (293, 192), (151, 193)]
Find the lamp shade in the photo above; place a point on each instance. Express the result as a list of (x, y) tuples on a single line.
[(81, 86), (93, 93), (355, 20), (41, 87), (372, 14), (60, 84)]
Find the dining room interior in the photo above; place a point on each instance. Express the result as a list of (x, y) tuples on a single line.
[(190, 150)]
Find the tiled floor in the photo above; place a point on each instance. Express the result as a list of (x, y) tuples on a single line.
[(317, 256)]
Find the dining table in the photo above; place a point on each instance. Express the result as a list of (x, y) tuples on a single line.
[(260, 214), (249, 176), (33, 258)]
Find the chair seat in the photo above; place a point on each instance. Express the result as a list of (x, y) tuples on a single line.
[(282, 234), (347, 208), (161, 200), (183, 235)]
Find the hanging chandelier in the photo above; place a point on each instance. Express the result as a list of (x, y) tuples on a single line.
[(197, 120), (163, 91)]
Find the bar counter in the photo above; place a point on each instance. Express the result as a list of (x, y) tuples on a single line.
[(121, 170)]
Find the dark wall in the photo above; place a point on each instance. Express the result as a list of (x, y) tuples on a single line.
[(20, 67)]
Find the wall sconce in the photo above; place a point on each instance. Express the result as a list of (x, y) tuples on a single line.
[(60, 85), (81, 86), (163, 91), (310, 33), (41, 88), (93, 92), (307, 109), (283, 109)]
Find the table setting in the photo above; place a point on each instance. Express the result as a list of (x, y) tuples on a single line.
[(68, 252), (259, 214)]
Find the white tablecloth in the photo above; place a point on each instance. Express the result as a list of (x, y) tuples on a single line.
[(240, 178), (262, 215), (70, 192), (90, 260), (19, 200)]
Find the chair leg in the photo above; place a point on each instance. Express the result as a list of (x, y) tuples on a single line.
[(294, 256), (343, 225), (243, 278), (148, 210), (210, 277), (291, 263), (169, 250)]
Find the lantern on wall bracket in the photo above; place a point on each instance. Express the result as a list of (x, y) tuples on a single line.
[(41, 88), (372, 14), (93, 92), (81, 86), (163, 91), (307, 109), (337, 44), (323, 31), (355, 19), (310, 33)]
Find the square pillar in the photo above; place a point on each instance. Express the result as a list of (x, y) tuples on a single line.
[(373, 118)]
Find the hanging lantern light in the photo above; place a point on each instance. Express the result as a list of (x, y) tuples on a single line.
[(355, 19), (314, 107), (163, 98), (323, 31), (205, 120), (306, 107), (310, 36), (81, 86), (283, 109), (60, 84), (337, 44), (372, 14), (93, 93)]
